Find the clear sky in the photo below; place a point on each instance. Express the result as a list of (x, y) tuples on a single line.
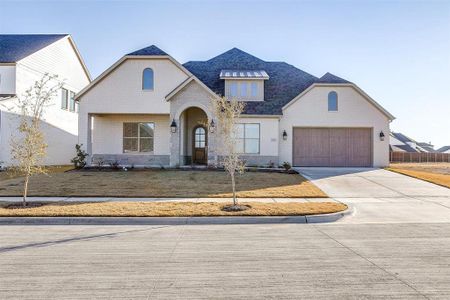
[(397, 51)]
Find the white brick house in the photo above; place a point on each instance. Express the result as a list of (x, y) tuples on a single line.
[(148, 109)]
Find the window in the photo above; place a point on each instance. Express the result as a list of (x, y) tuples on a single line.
[(200, 137), (332, 101), (147, 79), (254, 88), (233, 89), (77, 106), (72, 101), (64, 98), (138, 137), (244, 89), (247, 138)]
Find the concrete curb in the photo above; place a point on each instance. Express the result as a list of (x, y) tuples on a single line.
[(173, 220)]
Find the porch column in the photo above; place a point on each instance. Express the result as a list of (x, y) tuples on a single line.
[(89, 137)]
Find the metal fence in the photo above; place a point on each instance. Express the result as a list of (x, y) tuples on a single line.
[(398, 156)]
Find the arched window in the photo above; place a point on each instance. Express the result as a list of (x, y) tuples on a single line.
[(147, 79), (332, 101)]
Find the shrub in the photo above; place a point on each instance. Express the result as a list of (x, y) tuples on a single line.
[(114, 165), (79, 161), (287, 166)]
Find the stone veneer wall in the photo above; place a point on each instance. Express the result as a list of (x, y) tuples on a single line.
[(192, 95), (148, 160)]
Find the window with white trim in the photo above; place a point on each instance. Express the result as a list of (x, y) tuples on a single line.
[(64, 98), (247, 138), (147, 79), (72, 101), (332, 101), (138, 137)]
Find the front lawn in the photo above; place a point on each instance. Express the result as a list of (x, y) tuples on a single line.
[(162, 183), (438, 173), (167, 209)]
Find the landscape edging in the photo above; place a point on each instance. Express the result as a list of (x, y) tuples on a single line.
[(323, 218)]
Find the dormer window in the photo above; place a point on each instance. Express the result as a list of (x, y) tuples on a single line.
[(147, 79), (254, 88), (233, 89), (245, 85), (243, 89)]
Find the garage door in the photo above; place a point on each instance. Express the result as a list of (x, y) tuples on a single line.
[(332, 147)]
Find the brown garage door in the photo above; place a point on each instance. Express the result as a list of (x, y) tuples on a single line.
[(332, 147)]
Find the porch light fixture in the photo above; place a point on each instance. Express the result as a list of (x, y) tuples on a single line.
[(284, 135), (212, 126), (173, 126), (381, 136)]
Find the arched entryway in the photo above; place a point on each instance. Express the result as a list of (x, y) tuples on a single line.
[(193, 137)]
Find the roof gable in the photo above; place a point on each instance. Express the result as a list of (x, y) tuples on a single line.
[(14, 47), (150, 50)]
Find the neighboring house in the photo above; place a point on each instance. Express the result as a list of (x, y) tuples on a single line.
[(402, 143), (445, 149), (148, 109), (24, 59)]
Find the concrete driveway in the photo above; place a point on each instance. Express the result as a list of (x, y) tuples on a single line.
[(380, 196)]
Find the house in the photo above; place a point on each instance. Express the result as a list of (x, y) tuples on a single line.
[(24, 59), (402, 143), (147, 109), (444, 149)]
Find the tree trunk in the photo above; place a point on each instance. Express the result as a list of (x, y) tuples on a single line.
[(25, 190), (233, 184)]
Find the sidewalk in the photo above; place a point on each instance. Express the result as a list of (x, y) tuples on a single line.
[(106, 199)]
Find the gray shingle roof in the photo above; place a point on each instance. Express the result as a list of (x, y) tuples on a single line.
[(14, 47), (443, 149), (150, 50), (285, 83), (330, 78)]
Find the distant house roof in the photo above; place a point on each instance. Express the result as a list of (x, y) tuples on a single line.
[(443, 149), (150, 50), (14, 47), (240, 74), (286, 81)]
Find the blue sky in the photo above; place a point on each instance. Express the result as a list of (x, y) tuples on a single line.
[(397, 51)]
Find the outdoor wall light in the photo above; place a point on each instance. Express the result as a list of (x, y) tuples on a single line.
[(284, 135), (381, 136), (173, 126), (212, 126)]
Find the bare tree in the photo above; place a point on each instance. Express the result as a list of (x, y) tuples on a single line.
[(28, 147), (227, 113)]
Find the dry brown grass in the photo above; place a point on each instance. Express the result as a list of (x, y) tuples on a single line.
[(438, 173), (168, 209), (5, 175), (162, 183)]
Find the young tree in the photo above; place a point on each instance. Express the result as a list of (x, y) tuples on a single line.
[(227, 113), (28, 147)]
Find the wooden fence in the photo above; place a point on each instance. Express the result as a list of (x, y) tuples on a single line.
[(407, 157)]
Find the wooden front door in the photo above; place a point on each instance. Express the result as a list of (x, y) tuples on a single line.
[(199, 145)]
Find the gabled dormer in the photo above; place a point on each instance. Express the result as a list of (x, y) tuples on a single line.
[(244, 85)]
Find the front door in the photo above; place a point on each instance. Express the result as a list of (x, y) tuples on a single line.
[(199, 143)]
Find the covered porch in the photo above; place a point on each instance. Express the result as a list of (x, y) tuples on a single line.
[(128, 139)]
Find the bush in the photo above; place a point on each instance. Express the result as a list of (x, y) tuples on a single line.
[(79, 161), (287, 166), (114, 165)]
